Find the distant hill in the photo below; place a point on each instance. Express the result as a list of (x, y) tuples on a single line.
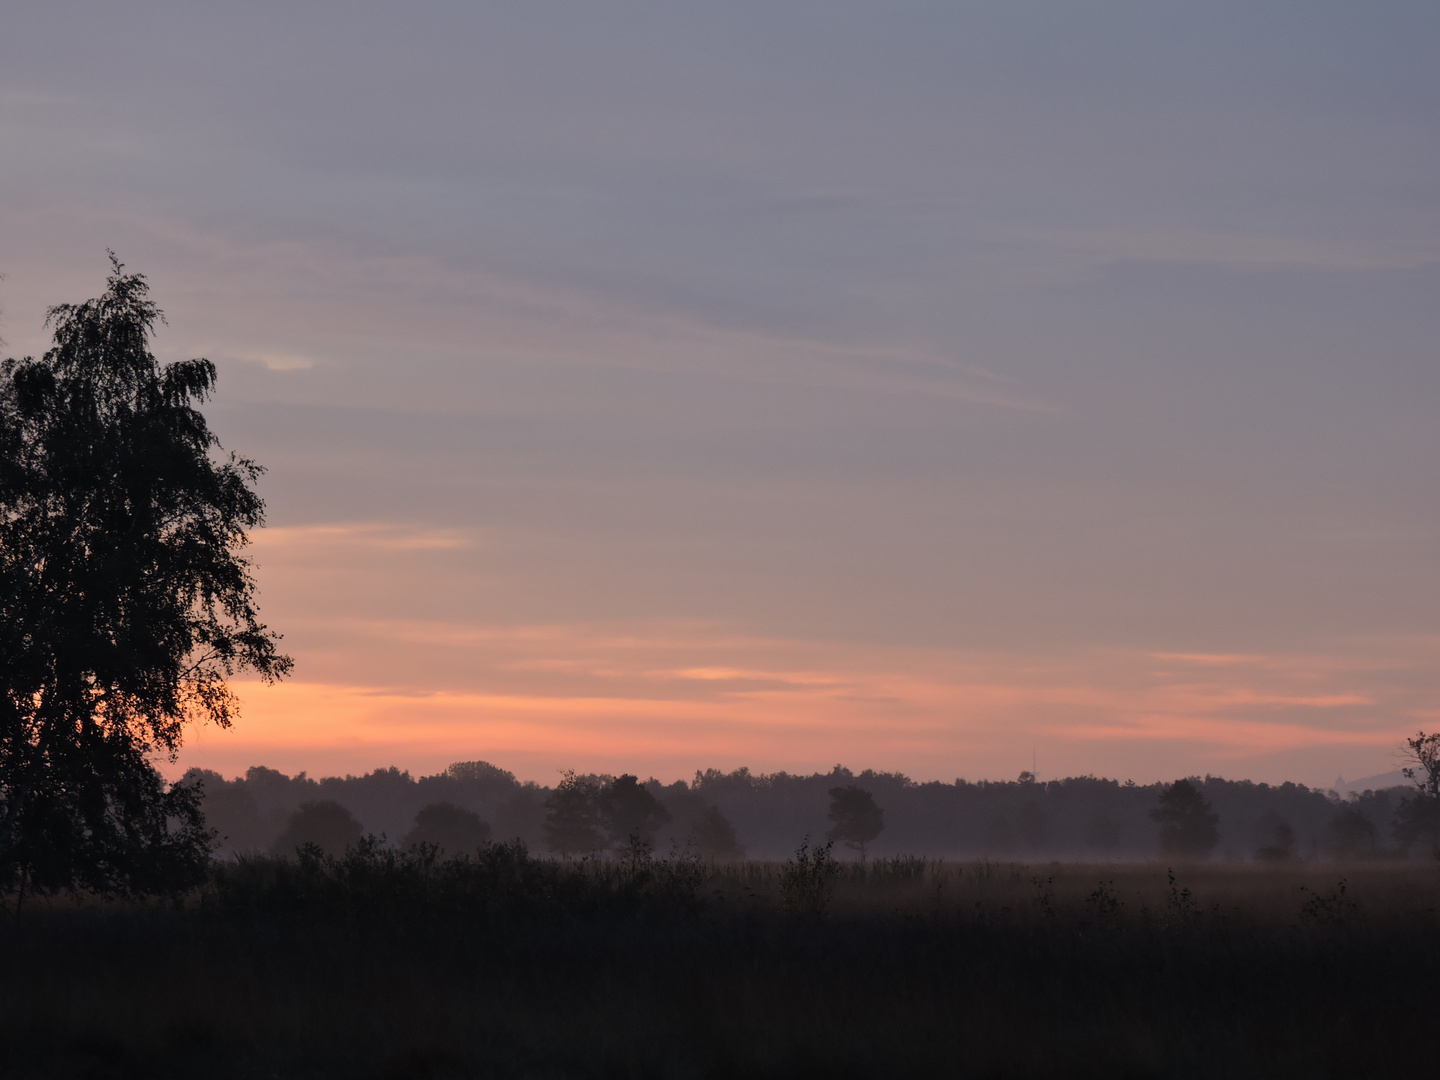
[(1379, 782)]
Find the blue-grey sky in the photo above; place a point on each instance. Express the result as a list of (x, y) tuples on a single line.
[(913, 384)]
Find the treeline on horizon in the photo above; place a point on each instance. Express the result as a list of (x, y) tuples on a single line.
[(765, 816)]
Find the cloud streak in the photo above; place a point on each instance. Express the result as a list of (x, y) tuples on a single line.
[(1256, 251), (919, 384)]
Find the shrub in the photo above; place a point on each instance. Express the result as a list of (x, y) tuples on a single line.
[(808, 880)]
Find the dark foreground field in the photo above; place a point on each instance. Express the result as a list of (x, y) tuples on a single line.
[(516, 967)]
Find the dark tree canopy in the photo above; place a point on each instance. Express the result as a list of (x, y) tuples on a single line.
[(714, 837), (1417, 818), (1187, 824), (1281, 845), (326, 824), (630, 812), (857, 819), (452, 829), (1351, 835), (572, 816), (125, 600)]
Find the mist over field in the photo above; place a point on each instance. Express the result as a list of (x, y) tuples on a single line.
[(1082, 819)]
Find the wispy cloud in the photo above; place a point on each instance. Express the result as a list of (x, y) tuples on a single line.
[(587, 694), (1243, 250), (379, 536), (333, 307), (281, 361)]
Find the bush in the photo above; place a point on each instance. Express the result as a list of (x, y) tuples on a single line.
[(370, 882), (808, 880)]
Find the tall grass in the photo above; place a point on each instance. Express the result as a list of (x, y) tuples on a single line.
[(391, 964)]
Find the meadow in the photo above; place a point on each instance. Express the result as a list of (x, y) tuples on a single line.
[(387, 964)]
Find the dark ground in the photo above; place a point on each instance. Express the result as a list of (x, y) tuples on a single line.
[(981, 970)]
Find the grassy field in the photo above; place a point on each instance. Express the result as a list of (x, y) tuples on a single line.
[(378, 967)]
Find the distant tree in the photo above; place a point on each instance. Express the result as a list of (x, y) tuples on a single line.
[(230, 810), (481, 775), (326, 824), (1034, 824), (521, 815), (1281, 847), (630, 812), (999, 836), (1350, 835), (125, 601), (1187, 824), (1423, 751), (453, 829), (270, 786), (714, 837), (1103, 833), (572, 816), (857, 819), (1417, 818)]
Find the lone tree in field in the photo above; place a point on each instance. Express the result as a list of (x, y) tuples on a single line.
[(1417, 818), (857, 819), (1187, 824), (125, 600)]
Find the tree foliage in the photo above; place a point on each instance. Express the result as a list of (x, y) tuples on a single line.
[(324, 823), (125, 598), (1350, 834), (572, 816), (857, 819), (1417, 818), (630, 812), (1187, 824), (713, 837), (1281, 845), (452, 829)]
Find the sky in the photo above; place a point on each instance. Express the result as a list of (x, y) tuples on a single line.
[(933, 387)]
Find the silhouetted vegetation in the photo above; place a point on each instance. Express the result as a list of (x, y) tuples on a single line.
[(384, 962), (125, 601), (1417, 818), (630, 812), (1187, 824), (572, 816), (857, 820), (325, 825), (452, 829), (1351, 834), (725, 815), (1281, 847), (643, 954), (808, 880)]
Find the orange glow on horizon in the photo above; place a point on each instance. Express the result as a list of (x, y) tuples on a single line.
[(956, 716), (393, 671)]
